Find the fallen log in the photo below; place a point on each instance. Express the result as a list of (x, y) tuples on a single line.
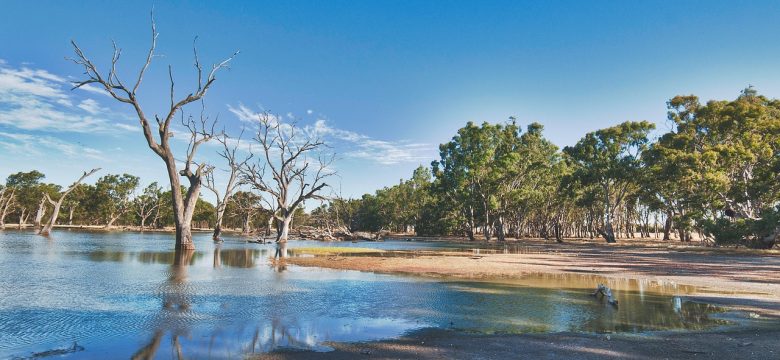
[(605, 292)]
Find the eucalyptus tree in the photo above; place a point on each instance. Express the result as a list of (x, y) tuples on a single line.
[(292, 168), (728, 151), (465, 171), (113, 194), (46, 230), (79, 202), (183, 205), (609, 161), (148, 203), (243, 207), (29, 190), (234, 161)]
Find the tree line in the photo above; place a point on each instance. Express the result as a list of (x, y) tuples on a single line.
[(118, 200), (714, 175)]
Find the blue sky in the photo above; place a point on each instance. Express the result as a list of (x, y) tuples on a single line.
[(388, 80)]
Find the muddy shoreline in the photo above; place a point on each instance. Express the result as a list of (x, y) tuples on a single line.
[(443, 344), (741, 280)]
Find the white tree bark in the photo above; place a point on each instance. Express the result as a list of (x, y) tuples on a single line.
[(290, 174), (46, 230)]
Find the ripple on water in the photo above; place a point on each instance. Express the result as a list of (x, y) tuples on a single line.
[(121, 294)]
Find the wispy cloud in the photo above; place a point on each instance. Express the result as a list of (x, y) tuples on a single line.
[(40, 145), (355, 145), (35, 99), (364, 147), (248, 115)]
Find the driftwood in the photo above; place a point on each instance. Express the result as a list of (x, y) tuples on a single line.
[(606, 292)]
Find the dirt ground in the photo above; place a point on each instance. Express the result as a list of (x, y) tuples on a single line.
[(441, 344), (740, 279)]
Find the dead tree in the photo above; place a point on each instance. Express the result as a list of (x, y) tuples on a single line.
[(183, 204), (39, 214), (288, 172), (56, 204), (605, 292), (7, 199), (234, 164)]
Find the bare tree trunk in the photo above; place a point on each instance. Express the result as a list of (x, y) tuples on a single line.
[(500, 232), (245, 228), (608, 232), (5, 203), (46, 230), (70, 214), (217, 230), (22, 218), (668, 226), (270, 225), (39, 214), (183, 207), (111, 219), (470, 224), (283, 227)]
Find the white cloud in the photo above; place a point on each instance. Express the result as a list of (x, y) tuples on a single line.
[(365, 147), (35, 99), (91, 106), (310, 111), (246, 114), (94, 89), (36, 145), (358, 146)]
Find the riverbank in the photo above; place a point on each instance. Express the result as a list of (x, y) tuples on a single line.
[(442, 344), (738, 277), (744, 280)]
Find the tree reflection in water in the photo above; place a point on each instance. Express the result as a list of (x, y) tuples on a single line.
[(175, 297), (279, 262)]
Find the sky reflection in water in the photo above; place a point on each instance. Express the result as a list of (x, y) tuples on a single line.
[(127, 295)]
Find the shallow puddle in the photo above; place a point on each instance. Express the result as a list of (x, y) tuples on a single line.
[(119, 295)]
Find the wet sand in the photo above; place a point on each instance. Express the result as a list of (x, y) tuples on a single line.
[(716, 274), (742, 280)]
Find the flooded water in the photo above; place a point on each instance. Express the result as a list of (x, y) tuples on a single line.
[(123, 295)]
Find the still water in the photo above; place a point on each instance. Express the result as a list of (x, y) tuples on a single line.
[(123, 295)]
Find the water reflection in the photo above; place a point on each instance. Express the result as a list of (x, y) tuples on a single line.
[(280, 257), (234, 298)]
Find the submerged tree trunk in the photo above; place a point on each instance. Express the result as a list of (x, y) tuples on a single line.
[(5, 204), (22, 218), (217, 232), (283, 228), (183, 205), (40, 212)]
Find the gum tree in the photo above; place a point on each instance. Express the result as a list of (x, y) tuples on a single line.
[(609, 160), (46, 230), (183, 204), (291, 169)]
